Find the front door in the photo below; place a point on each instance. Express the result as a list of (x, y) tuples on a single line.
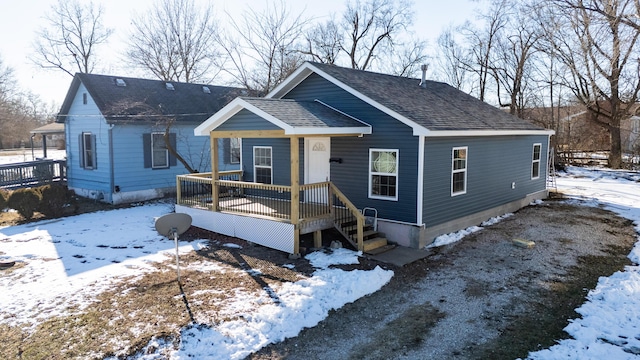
[(317, 151)]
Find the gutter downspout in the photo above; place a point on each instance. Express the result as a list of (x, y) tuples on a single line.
[(420, 184), (111, 175)]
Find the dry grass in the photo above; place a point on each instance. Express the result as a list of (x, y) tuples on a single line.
[(125, 318), (549, 311)]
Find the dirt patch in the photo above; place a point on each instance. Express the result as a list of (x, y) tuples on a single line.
[(483, 297), (80, 206), (480, 298)]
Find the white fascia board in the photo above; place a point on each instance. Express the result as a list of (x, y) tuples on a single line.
[(417, 129), (291, 81), (329, 131), (306, 69), (219, 118), (459, 133)]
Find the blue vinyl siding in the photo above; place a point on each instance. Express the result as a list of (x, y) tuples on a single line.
[(246, 120), (129, 173), (351, 176), (128, 153), (493, 164), (281, 159), (87, 118)]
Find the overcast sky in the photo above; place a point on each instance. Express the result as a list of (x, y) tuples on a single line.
[(20, 19)]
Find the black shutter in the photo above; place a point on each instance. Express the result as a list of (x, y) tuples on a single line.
[(81, 151), (226, 150), (173, 142), (94, 151), (146, 149)]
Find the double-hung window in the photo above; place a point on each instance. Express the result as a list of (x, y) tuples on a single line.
[(383, 174), (262, 165), (459, 170), (535, 164), (159, 152), (88, 151)]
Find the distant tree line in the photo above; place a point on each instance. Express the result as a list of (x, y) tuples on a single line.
[(530, 54), (20, 111)]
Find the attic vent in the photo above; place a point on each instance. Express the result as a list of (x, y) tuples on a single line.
[(169, 86), (206, 90), (120, 82)]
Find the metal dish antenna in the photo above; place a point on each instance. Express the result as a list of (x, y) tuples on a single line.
[(172, 225)]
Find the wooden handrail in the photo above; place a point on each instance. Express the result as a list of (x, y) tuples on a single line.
[(354, 212), (340, 207)]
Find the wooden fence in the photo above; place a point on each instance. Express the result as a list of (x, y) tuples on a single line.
[(32, 173)]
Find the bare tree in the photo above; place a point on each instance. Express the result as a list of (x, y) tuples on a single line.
[(369, 35), (175, 41), (511, 64), (481, 43), (68, 41), (20, 112), (599, 48), (451, 59), (262, 49), (371, 27), (323, 42), (405, 58)]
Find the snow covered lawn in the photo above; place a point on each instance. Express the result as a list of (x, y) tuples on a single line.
[(103, 263), (610, 323), (68, 269)]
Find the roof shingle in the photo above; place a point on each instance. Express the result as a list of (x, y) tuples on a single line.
[(436, 106), (150, 100), (307, 114)]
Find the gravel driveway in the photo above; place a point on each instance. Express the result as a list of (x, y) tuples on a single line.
[(477, 298)]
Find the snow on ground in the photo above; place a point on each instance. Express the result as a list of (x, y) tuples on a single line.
[(69, 261), (301, 304), (610, 323), (23, 155), (72, 259)]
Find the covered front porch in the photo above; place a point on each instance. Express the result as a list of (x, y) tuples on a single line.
[(264, 211)]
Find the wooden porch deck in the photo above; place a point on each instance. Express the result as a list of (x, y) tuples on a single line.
[(270, 214), (269, 208)]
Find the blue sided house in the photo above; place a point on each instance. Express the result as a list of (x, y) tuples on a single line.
[(380, 158), (115, 129)]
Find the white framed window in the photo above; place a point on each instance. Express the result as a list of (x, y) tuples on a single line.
[(235, 146), (262, 164), (159, 152), (88, 151), (383, 174), (459, 170), (535, 164)]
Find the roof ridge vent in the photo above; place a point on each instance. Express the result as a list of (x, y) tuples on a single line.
[(120, 82), (169, 86), (206, 90)]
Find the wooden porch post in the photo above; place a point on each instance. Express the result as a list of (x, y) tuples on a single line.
[(295, 191), (214, 171)]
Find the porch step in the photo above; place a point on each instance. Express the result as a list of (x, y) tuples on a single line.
[(372, 239), (375, 243)]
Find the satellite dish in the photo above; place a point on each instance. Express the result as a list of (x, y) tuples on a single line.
[(173, 224)]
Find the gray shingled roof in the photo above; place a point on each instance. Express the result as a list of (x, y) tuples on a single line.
[(437, 106), (304, 114), (149, 100)]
